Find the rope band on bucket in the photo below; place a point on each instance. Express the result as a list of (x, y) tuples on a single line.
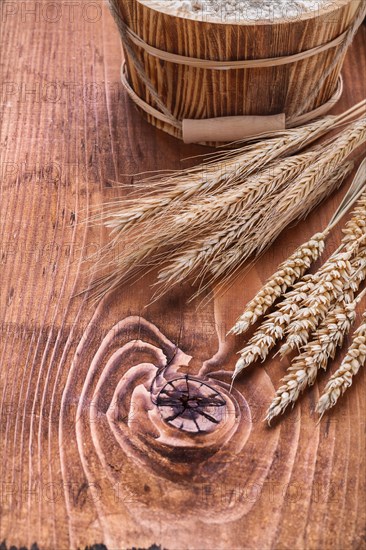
[(248, 130), (228, 65)]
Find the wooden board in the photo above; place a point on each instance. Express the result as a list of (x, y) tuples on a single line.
[(80, 460)]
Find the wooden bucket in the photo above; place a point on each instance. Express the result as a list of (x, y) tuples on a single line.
[(200, 93)]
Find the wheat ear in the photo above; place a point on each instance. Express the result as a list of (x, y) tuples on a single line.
[(304, 191), (287, 274), (226, 250), (307, 191), (330, 288), (308, 252), (178, 228), (236, 204), (334, 276), (356, 227), (315, 355), (343, 376), (228, 217), (273, 327), (150, 225), (218, 174)]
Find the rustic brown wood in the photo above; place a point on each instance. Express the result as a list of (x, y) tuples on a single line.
[(196, 93), (73, 472)]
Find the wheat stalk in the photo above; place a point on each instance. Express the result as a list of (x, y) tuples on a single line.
[(343, 376), (315, 355)]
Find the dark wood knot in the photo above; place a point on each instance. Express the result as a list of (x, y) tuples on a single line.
[(191, 405)]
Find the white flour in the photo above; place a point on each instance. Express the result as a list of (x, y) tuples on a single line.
[(238, 10)]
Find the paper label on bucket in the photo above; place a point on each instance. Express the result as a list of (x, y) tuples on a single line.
[(231, 128)]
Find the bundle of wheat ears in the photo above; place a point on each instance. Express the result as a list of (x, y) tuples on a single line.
[(317, 310), (204, 223)]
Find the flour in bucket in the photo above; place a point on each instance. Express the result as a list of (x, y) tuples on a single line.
[(237, 10)]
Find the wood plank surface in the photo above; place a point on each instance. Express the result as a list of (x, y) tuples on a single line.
[(84, 458)]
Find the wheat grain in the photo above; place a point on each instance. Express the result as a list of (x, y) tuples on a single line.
[(356, 227), (343, 376), (290, 271), (336, 275), (224, 171), (315, 355), (263, 234), (224, 251), (273, 328)]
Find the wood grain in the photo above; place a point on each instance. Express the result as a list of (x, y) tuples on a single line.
[(80, 460)]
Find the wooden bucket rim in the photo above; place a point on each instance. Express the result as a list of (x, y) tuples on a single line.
[(333, 6)]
